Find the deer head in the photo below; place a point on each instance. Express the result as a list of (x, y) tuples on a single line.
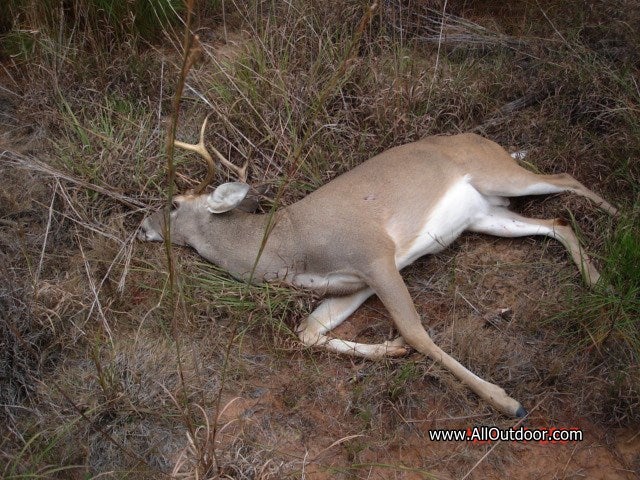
[(194, 207)]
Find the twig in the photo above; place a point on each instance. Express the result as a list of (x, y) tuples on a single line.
[(46, 237), (95, 291), (435, 68), (509, 108), (190, 51), (29, 163)]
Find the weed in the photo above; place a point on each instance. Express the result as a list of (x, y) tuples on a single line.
[(407, 373), (606, 321), (100, 23)]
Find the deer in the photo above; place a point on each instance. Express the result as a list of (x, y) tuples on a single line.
[(349, 239)]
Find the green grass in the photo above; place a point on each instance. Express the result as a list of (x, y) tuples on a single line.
[(100, 24), (109, 141), (604, 323), (610, 313), (37, 455)]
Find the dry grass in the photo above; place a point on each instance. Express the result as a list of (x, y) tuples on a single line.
[(95, 384)]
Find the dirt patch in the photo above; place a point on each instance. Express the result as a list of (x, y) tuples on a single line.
[(316, 435)]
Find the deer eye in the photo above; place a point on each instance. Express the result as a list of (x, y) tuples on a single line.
[(175, 203)]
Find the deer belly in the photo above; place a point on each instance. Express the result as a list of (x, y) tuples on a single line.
[(452, 214)]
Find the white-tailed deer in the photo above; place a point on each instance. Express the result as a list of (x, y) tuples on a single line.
[(350, 238)]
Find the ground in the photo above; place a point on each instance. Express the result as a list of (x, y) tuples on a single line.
[(107, 371)]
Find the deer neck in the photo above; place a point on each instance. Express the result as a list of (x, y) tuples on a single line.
[(235, 240)]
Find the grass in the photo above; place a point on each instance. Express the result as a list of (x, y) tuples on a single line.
[(305, 94), (101, 23), (606, 321), (620, 302), (34, 458)]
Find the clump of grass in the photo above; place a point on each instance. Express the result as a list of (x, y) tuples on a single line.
[(605, 322), (273, 306), (102, 24)]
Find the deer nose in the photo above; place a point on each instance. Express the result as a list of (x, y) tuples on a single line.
[(149, 235), (142, 235), (145, 232)]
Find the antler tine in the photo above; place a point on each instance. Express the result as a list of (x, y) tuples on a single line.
[(241, 172), (201, 149)]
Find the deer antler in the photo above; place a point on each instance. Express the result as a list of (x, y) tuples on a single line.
[(201, 149)]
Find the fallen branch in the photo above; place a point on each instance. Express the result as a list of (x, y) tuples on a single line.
[(509, 108), (24, 162)]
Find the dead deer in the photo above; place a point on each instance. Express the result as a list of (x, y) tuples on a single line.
[(350, 238)]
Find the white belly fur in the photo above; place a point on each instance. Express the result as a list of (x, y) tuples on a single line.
[(452, 215)]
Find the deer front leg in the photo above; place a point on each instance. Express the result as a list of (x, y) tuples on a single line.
[(331, 313), (387, 283)]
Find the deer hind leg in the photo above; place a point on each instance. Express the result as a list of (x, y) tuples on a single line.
[(503, 223), (387, 283), (515, 181), (331, 313)]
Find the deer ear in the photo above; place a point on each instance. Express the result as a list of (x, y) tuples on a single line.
[(227, 197)]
